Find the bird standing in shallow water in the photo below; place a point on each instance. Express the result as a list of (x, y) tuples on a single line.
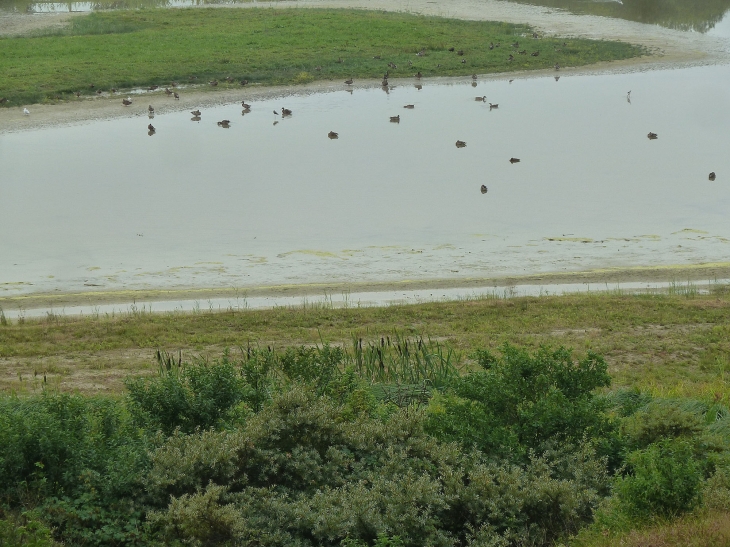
[(349, 82), (395, 119), (333, 135), (491, 106), (482, 99), (196, 112), (514, 160), (652, 136), (285, 112), (460, 144), (484, 189), (151, 127), (712, 176)]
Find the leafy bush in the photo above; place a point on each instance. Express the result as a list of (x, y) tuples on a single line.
[(521, 401), (24, 530), (664, 479), (186, 397)]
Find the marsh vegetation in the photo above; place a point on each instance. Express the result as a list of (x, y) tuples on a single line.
[(128, 49)]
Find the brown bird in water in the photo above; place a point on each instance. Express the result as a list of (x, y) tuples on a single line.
[(168, 91), (285, 112), (395, 119), (348, 81), (410, 106), (418, 75), (491, 106), (460, 144), (514, 160), (244, 105), (712, 176), (333, 135), (419, 87), (196, 112), (473, 76), (176, 95), (481, 99), (224, 123), (150, 109), (384, 83), (484, 189), (127, 101), (557, 66), (652, 136), (151, 128)]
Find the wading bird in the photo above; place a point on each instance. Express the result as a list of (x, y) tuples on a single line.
[(196, 112)]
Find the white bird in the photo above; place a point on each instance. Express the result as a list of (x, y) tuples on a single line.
[(26, 112)]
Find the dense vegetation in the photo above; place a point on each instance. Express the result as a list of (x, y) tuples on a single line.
[(385, 444), (128, 49)]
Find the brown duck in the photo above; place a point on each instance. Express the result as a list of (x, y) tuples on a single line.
[(514, 160), (127, 101), (652, 136), (395, 119), (196, 112), (484, 189), (712, 176), (460, 144), (333, 135)]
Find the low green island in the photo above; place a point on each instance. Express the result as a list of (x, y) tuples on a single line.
[(139, 48)]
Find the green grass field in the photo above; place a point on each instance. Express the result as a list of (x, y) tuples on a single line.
[(127, 49), (670, 345)]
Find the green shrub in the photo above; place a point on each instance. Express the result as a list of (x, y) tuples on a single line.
[(186, 397), (663, 479), (521, 401), (24, 530)]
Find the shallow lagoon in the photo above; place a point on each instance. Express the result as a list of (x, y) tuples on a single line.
[(104, 206)]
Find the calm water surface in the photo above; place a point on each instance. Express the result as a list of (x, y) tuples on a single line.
[(104, 205)]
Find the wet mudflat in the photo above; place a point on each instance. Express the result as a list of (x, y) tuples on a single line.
[(105, 206)]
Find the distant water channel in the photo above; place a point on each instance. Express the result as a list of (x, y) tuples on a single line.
[(705, 16), (105, 206)]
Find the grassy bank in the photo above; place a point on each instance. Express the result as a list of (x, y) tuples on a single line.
[(266, 46), (670, 344)]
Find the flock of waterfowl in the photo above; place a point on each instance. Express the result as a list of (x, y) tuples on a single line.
[(286, 112)]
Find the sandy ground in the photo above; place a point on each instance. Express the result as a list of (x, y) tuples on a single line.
[(701, 273), (670, 48)]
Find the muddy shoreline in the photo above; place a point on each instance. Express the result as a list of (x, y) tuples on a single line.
[(609, 277)]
